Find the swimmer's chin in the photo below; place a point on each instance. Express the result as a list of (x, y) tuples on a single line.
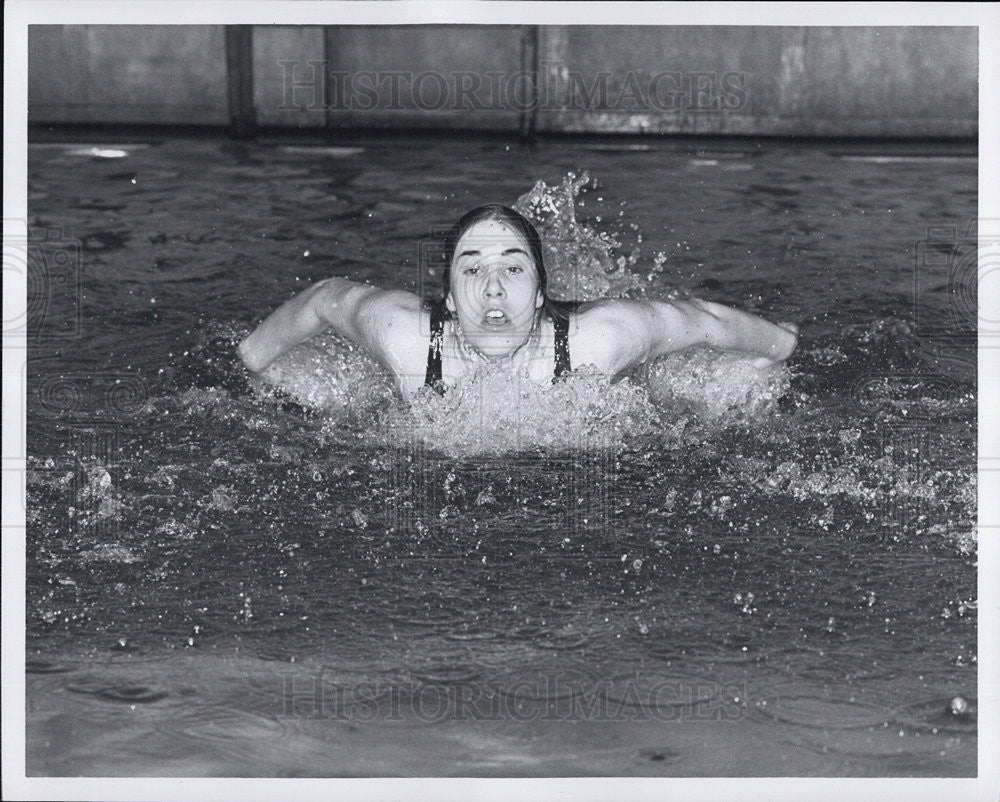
[(498, 347)]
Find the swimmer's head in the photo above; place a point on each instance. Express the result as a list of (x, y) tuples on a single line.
[(494, 279), (502, 214)]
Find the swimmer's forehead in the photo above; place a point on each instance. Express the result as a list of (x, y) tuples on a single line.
[(491, 237)]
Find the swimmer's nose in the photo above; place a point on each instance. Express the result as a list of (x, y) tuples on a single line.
[(494, 289)]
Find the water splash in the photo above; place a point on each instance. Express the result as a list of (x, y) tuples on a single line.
[(331, 373), (579, 259), (488, 412), (97, 499), (334, 375), (110, 553), (715, 386)]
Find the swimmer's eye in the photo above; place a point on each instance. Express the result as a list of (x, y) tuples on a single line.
[(475, 270)]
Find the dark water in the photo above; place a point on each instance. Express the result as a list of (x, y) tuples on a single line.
[(697, 572)]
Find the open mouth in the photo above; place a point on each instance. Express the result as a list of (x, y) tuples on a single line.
[(495, 317)]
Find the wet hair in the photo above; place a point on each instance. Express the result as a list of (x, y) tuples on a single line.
[(522, 226)]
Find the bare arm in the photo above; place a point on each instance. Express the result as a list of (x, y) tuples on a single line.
[(345, 306), (639, 331), (696, 322)]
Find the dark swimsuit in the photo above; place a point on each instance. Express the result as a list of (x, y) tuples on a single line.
[(439, 314)]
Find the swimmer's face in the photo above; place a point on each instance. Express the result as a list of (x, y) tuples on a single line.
[(494, 288)]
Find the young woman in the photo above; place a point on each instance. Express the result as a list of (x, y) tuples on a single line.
[(496, 310)]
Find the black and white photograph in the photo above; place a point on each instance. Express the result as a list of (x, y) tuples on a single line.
[(575, 392)]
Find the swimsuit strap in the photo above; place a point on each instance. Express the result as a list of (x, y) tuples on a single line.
[(432, 378), (561, 328), (439, 313)]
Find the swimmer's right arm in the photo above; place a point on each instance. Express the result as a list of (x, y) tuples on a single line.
[(332, 303)]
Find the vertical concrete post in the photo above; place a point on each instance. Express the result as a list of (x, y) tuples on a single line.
[(553, 50), (330, 53), (793, 79), (239, 81), (337, 67), (529, 67)]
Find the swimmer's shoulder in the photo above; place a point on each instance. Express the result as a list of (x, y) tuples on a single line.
[(601, 334), (394, 325), (389, 303), (391, 314)]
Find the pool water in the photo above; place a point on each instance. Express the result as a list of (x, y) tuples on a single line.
[(696, 571)]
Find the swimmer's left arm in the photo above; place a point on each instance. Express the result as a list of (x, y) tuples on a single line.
[(639, 331), (695, 322)]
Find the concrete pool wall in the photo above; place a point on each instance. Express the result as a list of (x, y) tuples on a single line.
[(893, 82)]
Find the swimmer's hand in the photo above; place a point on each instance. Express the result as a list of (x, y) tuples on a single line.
[(246, 354), (783, 351)]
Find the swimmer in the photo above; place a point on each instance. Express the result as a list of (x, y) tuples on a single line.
[(496, 311)]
